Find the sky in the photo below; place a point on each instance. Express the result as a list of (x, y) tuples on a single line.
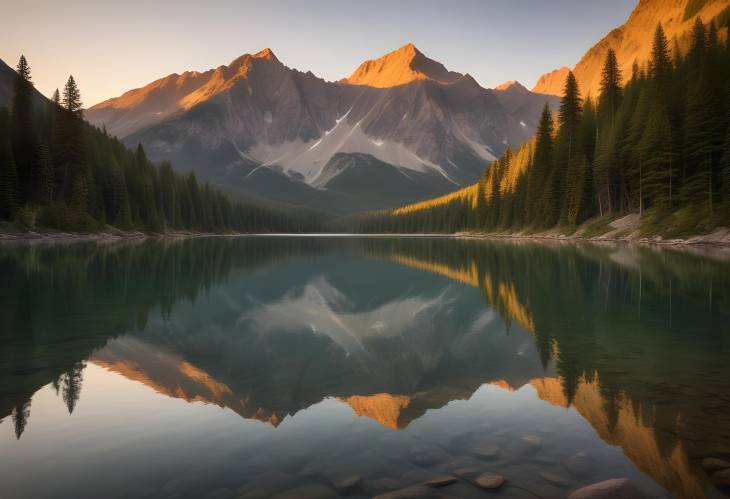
[(111, 47)]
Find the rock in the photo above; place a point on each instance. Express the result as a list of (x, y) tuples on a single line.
[(554, 479), (412, 492), (466, 473), (489, 481), (721, 478), (715, 464), (308, 492), (440, 481), (487, 451), (615, 488), (580, 465), (348, 484)]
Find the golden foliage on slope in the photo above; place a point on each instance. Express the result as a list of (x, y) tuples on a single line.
[(519, 164), (505, 300), (466, 274), (467, 193)]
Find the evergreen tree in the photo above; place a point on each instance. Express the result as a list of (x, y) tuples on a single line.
[(42, 187), (725, 178), (8, 170), (656, 157), (568, 153), (21, 414), (22, 128), (72, 148), (610, 97), (660, 64), (539, 173)]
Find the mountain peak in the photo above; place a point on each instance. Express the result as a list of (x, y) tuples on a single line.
[(409, 49), (512, 85), (266, 53), (399, 67)]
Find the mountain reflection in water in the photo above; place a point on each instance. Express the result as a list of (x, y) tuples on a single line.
[(634, 340)]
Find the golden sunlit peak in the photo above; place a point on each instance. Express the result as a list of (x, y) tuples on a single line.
[(266, 53), (512, 84), (399, 67), (409, 48)]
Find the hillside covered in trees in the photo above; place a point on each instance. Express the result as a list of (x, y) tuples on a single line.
[(59, 172), (658, 147)]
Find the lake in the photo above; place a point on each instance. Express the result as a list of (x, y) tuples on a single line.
[(308, 367)]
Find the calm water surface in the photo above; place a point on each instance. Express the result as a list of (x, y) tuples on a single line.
[(284, 367)]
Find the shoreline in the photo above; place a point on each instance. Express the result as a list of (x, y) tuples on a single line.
[(106, 236), (622, 231)]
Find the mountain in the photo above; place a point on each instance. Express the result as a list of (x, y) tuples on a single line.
[(401, 128), (7, 76), (633, 40)]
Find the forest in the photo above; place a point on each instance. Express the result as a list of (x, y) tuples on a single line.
[(59, 172), (658, 146)]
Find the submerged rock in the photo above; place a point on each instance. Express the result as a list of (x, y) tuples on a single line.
[(441, 481), (615, 488), (466, 473), (489, 481)]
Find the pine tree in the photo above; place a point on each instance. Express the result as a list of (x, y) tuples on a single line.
[(725, 178), (120, 214), (42, 187), (72, 97), (22, 128), (657, 159), (568, 151), (71, 152), (610, 98), (608, 104), (539, 173), (20, 415), (660, 64), (8, 170)]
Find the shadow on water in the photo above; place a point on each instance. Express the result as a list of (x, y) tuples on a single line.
[(634, 339)]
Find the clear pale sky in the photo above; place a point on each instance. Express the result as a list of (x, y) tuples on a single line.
[(111, 47)]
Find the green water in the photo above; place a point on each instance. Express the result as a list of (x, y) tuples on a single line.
[(279, 367)]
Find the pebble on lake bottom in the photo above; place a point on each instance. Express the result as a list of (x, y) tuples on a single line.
[(489, 481), (440, 481), (615, 488)]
